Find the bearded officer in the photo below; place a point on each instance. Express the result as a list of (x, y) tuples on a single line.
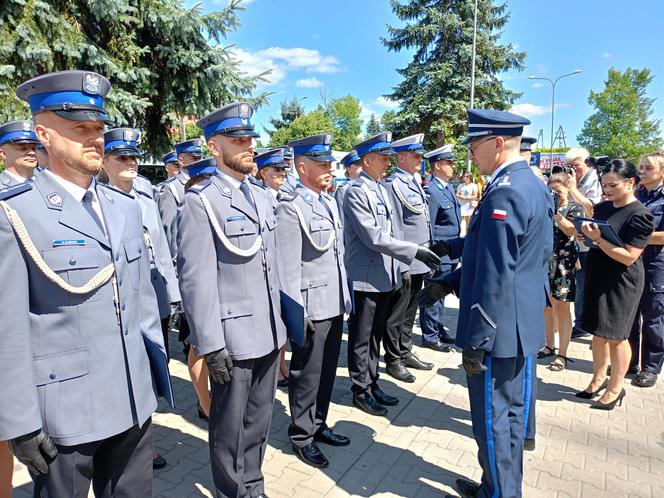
[(312, 272), (445, 216), (353, 168), (502, 287), (228, 277), (74, 372), (18, 143), (374, 257), (412, 214)]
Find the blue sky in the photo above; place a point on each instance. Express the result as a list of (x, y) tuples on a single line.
[(334, 47)]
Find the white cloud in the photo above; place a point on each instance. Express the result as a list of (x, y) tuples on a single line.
[(538, 85), (606, 55), (309, 83), (531, 110), (282, 60), (366, 112), (386, 103)]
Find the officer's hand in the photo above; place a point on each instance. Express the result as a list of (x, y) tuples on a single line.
[(405, 279), (35, 450), (220, 365), (441, 248), (473, 360), (309, 327), (428, 257), (433, 292)]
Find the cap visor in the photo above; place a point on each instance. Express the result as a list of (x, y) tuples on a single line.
[(242, 133), (322, 159), (466, 140), (22, 141), (125, 152), (85, 116)]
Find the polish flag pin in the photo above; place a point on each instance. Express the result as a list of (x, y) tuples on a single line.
[(499, 214)]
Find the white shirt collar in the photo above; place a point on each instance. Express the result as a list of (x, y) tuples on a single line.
[(233, 181), (16, 177), (72, 189), (273, 192), (442, 182), (502, 167)]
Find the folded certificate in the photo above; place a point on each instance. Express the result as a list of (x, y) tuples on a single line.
[(607, 231)]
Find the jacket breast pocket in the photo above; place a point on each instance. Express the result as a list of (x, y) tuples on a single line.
[(241, 233), (63, 384), (76, 265), (133, 249), (321, 230)]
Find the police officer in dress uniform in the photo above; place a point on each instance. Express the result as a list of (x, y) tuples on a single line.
[(18, 143), (172, 168), (42, 158), (312, 272), (228, 276), (502, 290), (272, 170), (526, 152), (353, 166), (374, 257), (445, 217), (172, 190), (291, 179), (75, 374), (647, 336), (412, 214)]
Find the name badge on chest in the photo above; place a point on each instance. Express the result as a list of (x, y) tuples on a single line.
[(68, 242)]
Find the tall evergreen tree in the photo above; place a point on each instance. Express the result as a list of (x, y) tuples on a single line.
[(622, 124), (373, 126), (290, 111), (435, 91), (163, 60)]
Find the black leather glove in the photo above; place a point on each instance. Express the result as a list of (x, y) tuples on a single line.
[(405, 279), (441, 248), (219, 364), (473, 360), (176, 311), (433, 292), (427, 257), (309, 327), (35, 450)]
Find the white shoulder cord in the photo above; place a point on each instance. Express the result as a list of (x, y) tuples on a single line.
[(367, 191), (22, 233), (303, 225), (245, 253), (403, 200)]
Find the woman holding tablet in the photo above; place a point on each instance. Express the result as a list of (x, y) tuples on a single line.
[(614, 281)]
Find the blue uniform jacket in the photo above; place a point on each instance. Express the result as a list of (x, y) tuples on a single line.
[(502, 282), (444, 213), (653, 255)]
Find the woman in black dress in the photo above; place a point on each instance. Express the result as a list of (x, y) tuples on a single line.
[(614, 280)]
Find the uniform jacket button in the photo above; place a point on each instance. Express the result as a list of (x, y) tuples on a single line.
[(51, 376), (140, 250), (124, 307), (126, 331), (117, 257), (72, 262), (230, 312)]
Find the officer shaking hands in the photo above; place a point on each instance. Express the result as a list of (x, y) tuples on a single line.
[(74, 372), (228, 276), (375, 253), (502, 286)]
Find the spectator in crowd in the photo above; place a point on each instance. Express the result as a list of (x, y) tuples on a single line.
[(468, 195), (562, 270), (647, 338), (614, 280), (584, 190)]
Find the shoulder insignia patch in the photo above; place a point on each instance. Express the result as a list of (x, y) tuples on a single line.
[(15, 190)]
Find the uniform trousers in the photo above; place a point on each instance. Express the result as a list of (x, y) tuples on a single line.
[(118, 467), (313, 369), (398, 341), (530, 396), (240, 417), (497, 413), (647, 336), (366, 327), (431, 317)]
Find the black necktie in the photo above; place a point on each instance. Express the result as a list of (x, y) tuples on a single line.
[(246, 191), (322, 201), (86, 202)]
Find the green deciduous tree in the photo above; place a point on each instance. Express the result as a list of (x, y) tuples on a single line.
[(164, 60), (290, 111), (435, 90), (622, 124), (312, 123), (344, 113)]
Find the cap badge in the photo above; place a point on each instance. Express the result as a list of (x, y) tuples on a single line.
[(245, 111), (91, 83), (26, 126)]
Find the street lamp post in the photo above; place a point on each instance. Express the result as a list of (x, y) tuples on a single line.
[(472, 70), (553, 102)]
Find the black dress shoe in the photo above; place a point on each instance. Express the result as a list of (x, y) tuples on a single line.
[(311, 455), (645, 379), (368, 405), (414, 362), (443, 337), (399, 372), (579, 333), (158, 462), (328, 436), (436, 346), (467, 488), (384, 399), (529, 445)]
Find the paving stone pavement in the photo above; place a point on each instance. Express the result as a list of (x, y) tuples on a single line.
[(425, 442)]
